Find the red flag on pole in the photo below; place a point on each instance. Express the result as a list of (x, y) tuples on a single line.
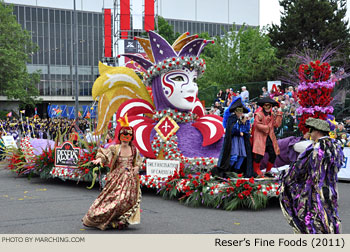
[(108, 33), (124, 18), (149, 15)]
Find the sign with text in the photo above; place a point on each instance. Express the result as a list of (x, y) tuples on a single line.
[(67, 155), (9, 141), (272, 85), (344, 172), (161, 168)]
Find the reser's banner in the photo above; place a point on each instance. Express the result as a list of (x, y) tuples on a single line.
[(67, 155)]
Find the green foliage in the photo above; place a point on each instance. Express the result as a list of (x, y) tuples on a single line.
[(15, 48), (239, 57), (166, 30), (311, 24)]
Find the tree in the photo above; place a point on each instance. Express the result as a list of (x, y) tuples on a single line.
[(239, 57), (15, 48), (166, 30), (311, 24)]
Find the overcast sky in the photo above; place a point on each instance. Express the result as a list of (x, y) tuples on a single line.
[(269, 9)]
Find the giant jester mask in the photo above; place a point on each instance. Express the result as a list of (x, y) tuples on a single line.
[(172, 70)]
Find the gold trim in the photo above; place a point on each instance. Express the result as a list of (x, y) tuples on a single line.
[(176, 127)]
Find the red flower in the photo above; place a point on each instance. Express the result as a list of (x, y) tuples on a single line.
[(246, 193), (240, 175), (265, 193), (86, 171), (240, 195)]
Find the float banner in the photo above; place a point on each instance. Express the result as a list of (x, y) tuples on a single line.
[(344, 172), (161, 168), (67, 155)]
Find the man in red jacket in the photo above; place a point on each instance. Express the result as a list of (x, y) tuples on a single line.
[(264, 139)]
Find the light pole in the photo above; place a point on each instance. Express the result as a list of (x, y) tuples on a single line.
[(76, 63)]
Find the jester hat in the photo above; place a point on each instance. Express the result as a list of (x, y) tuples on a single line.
[(163, 57)]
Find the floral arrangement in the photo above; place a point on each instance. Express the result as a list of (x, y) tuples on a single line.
[(192, 184), (44, 163), (230, 194), (314, 92)]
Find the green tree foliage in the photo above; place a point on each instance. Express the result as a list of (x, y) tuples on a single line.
[(15, 48), (311, 24), (166, 30), (239, 57)]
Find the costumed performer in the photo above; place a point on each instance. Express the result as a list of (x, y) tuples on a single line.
[(309, 187), (264, 139), (118, 205), (236, 154)]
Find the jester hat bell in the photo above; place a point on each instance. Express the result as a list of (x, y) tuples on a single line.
[(163, 57)]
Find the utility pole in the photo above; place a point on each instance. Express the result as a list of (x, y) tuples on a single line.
[(76, 63)]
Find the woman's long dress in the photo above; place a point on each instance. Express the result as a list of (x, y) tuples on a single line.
[(119, 201)]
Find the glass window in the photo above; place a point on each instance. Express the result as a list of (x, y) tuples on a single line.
[(100, 20), (81, 88), (69, 88), (52, 30), (89, 19), (53, 88), (45, 16), (63, 17), (27, 11), (46, 30), (52, 51), (28, 26), (52, 16), (80, 18), (64, 88), (68, 17), (95, 20), (40, 30), (41, 50), (47, 88), (40, 14), (21, 13), (85, 19), (34, 18), (41, 87), (57, 17), (15, 11)]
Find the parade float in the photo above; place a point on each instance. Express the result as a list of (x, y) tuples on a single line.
[(172, 130)]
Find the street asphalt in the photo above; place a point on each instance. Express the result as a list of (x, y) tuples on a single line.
[(53, 206)]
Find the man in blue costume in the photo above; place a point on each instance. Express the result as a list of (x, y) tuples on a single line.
[(236, 152), (309, 187)]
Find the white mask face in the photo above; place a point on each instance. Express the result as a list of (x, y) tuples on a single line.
[(180, 88)]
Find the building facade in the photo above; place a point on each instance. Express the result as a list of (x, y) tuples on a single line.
[(53, 30)]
